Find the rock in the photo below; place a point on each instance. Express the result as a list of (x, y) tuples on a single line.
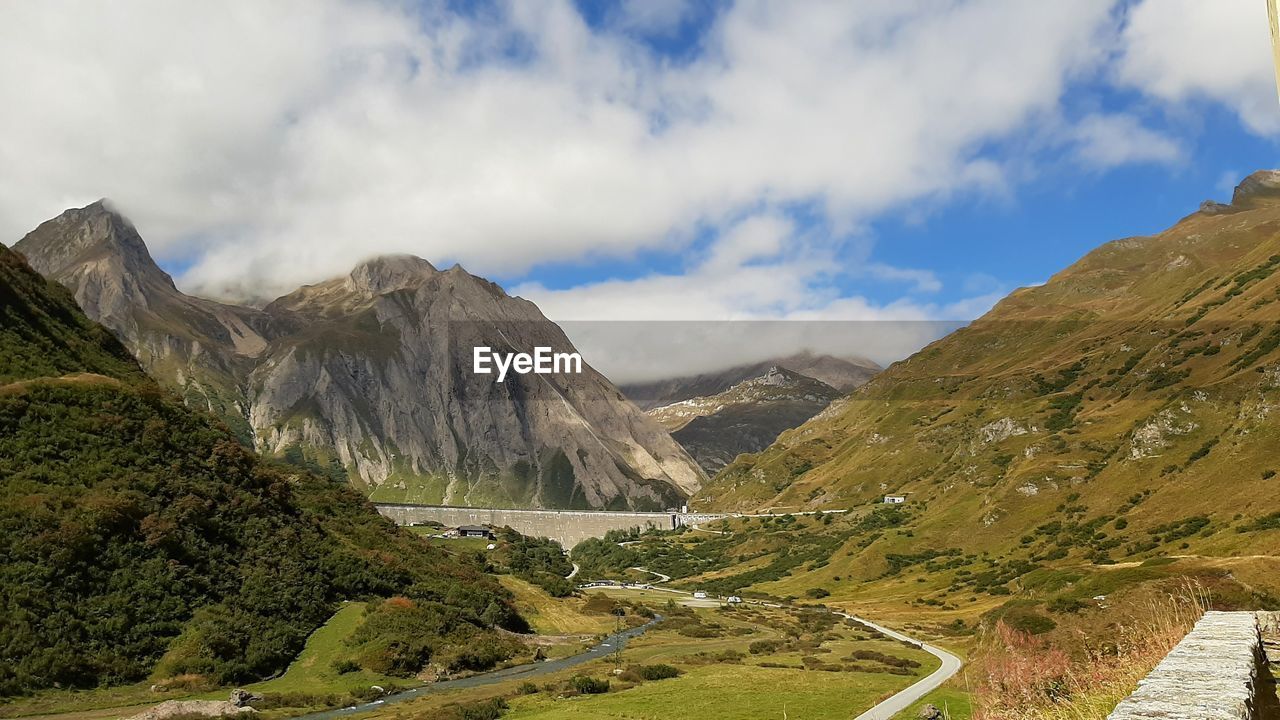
[(930, 712), (1002, 429), (243, 698), (1262, 183), (187, 708)]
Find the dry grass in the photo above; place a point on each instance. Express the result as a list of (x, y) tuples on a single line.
[(1020, 677)]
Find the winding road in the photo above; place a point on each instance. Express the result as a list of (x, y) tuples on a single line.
[(903, 699), (664, 578), (526, 671)]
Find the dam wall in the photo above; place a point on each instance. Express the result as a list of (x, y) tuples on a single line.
[(568, 527)]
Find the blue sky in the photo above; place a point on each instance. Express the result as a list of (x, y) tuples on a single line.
[(878, 161)]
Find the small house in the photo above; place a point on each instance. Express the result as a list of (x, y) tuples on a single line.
[(479, 531), (894, 499)]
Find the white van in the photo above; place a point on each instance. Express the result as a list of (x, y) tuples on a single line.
[(699, 595)]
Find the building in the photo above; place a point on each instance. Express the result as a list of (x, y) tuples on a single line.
[(894, 499), (475, 531)]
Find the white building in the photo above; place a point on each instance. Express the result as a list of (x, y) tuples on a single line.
[(894, 499)]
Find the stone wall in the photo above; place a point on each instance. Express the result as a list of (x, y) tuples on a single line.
[(568, 527), (1217, 672)]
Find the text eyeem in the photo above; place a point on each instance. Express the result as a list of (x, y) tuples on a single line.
[(541, 362)]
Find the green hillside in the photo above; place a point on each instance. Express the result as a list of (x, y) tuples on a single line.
[(43, 332), (138, 538), (1142, 382)]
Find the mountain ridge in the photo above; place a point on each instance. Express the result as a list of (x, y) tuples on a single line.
[(1140, 379), (745, 418), (368, 375), (844, 374)]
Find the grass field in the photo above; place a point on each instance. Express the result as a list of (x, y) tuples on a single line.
[(312, 671), (552, 616), (721, 678), (723, 692)]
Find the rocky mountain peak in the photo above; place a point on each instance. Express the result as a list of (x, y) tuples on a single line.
[(1263, 184), (388, 273), (365, 382), (94, 233)]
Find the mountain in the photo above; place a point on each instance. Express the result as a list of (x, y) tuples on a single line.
[(370, 376), (1127, 405), (200, 348), (843, 374), (138, 538), (746, 418)]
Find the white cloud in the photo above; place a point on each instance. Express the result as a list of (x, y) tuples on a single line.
[(733, 309), (1220, 51), (1105, 141), (654, 17), (270, 144)]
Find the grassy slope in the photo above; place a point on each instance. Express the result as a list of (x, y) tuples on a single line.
[(554, 616), (313, 671), (1150, 366), (134, 527), (44, 334)]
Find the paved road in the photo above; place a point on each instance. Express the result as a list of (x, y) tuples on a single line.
[(905, 698), (526, 671), (571, 575), (665, 578)]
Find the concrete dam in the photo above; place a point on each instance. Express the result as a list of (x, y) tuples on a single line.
[(568, 527)]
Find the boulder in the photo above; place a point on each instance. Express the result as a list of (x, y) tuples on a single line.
[(188, 708), (243, 698)]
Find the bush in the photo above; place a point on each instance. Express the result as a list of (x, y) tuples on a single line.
[(764, 647), (589, 685), (490, 709), (1029, 622), (661, 671), (1066, 605), (817, 592), (344, 666)]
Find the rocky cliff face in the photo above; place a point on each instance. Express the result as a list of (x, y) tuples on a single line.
[(371, 375), (746, 418)]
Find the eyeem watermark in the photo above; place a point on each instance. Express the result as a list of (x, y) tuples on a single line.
[(541, 362)]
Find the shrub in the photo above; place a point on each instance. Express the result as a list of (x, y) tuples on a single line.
[(1066, 605), (344, 666), (661, 671), (490, 709), (764, 647), (817, 592), (589, 685)]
